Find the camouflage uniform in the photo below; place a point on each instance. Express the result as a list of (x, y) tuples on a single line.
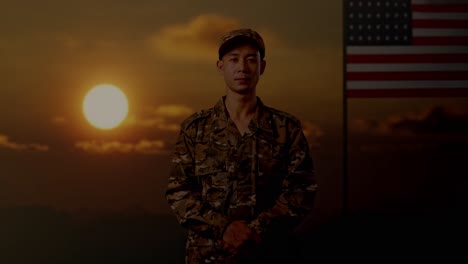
[(220, 175)]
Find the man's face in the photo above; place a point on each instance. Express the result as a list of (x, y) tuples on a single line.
[(241, 68)]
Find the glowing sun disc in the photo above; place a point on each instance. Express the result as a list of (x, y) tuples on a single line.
[(105, 106)]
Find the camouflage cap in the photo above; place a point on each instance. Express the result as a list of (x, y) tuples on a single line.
[(243, 35)]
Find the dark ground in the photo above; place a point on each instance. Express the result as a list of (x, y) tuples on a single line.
[(43, 235)]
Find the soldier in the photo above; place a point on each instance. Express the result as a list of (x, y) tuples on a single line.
[(242, 173)]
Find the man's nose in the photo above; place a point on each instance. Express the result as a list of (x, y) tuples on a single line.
[(243, 66)]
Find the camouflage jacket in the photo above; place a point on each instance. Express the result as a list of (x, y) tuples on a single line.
[(219, 175)]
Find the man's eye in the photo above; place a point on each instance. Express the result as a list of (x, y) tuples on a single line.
[(234, 59)]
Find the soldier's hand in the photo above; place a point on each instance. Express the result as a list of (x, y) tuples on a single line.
[(236, 234)]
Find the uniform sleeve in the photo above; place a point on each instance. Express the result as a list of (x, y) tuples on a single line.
[(184, 193), (299, 187)]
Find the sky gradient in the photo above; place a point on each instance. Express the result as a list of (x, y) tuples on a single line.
[(163, 56)]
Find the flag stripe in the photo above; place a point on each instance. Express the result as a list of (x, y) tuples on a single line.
[(442, 23), (409, 67), (456, 8), (406, 84), (352, 76), (431, 41), (436, 2), (406, 50), (440, 92), (449, 16), (410, 58), (439, 32)]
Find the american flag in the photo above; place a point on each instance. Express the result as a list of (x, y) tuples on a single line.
[(406, 48)]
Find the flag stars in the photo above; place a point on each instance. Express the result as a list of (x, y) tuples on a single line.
[(377, 22)]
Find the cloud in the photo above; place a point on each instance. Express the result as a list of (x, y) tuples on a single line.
[(365, 125), (142, 147), (196, 40), (163, 117), (313, 133), (58, 120), (6, 143), (433, 120), (151, 122), (381, 147), (172, 110)]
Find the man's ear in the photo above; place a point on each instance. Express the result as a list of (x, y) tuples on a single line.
[(262, 66), (220, 66)]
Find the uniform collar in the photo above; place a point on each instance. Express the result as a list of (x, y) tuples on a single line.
[(262, 118)]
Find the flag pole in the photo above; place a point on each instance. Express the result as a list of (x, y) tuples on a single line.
[(345, 118)]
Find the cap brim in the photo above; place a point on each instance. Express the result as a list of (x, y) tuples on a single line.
[(236, 41)]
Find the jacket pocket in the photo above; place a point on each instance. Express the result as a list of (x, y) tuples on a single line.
[(214, 185)]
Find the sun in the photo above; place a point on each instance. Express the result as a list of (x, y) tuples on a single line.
[(105, 106)]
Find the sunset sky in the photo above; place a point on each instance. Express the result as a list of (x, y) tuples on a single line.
[(162, 54)]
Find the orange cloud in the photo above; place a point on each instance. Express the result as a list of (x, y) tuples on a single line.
[(143, 147), (173, 110), (151, 122), (146, 122), (433, 120), (195, 40), (164, 117), (199, 38), (6, 143), (58, 120), (366, 125), (313, 133)]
